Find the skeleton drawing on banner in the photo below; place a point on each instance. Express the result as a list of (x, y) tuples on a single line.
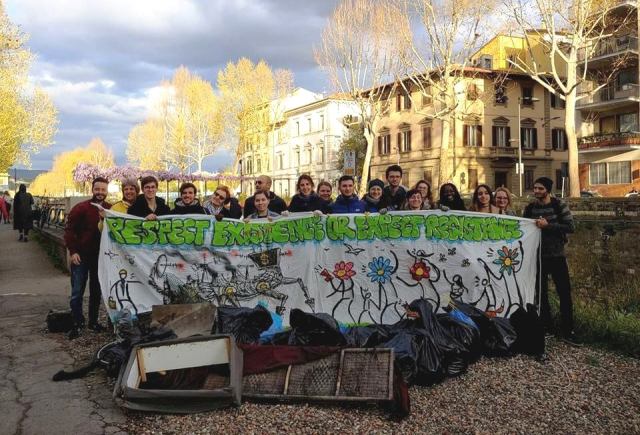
[(423, 271), (122, 293), (341, 281), (509, 262), (380, 271), (226, 284)]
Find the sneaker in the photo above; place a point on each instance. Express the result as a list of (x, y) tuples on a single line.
[(74, 333), (96, 327)]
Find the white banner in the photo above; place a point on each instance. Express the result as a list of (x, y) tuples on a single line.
[(358, 268)]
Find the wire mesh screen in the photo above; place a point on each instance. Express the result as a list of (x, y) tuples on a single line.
[(365, 374), (316, 378), (265, 383)]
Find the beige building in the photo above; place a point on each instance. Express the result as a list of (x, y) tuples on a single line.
[(483, 143), (609, 137)]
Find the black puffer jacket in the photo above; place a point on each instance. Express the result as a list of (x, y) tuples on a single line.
[(193, 208), (312, 202), (140, 207)]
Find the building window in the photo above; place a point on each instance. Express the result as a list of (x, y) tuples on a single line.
[(626, 79), (426, 136), (258, 166), (556, 101), (559, 139), (297, 158), (427, 97), (406, 98), (473, 178), (598, 173), (529, 138), (297, 128), (528, 178), (384, 144), (398, 102), (527, 96), (619, 172), (404, 141), (427, 176), (472, 92), (500, 94), (501, 136), (628, 122), (472, 136), (321, 153), (309, 125), (321, 122), (279, 161)]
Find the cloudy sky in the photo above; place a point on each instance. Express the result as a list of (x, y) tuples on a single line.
[(101, 60)]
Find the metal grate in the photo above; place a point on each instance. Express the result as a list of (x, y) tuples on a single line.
[(265, 383), (316, 378), (365, 374)]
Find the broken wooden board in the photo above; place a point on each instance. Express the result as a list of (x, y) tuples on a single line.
[(185, 320)]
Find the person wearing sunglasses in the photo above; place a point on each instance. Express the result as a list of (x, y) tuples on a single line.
[(276, 204), (222, 205)]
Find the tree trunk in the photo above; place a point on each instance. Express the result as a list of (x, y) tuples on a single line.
[(443, 167), (368, 135), (570, 127)]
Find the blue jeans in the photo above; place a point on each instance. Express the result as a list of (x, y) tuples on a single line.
[(88, 268)]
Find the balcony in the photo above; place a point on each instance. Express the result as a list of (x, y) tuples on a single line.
[(610, 141), (608, 48), (502, 152), (609, 97)]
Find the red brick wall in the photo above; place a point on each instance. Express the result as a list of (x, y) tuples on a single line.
[(611, 189)]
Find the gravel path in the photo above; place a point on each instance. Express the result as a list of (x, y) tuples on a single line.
[(579, 390)]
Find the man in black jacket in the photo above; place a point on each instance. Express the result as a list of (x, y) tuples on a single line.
[(276, 204), (554, 218), (394, 193), (148, 205), (188, 203)]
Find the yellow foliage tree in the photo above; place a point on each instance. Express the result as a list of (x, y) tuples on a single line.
[(59, 181), (28, 118)]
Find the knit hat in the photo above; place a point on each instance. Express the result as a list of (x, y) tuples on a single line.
[(375, 182), (546, 182)]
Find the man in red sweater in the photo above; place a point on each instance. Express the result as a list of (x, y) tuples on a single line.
[(82, 237)]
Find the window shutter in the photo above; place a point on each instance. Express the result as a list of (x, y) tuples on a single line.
[(408, 145), (566, 141), (507, 137), (478, 135), (398, 103), (465, 136), (521, 137), (426, 137), (380, 145), (535, 138), (554, 138), (399, 136), (494, 136)]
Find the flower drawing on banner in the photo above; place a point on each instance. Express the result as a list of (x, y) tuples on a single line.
[(380, 270), (419, 271), (507, 259), (344, 271)]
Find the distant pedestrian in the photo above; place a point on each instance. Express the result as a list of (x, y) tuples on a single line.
[(82, 238), (4, 213), (22, 214), (554, 218)]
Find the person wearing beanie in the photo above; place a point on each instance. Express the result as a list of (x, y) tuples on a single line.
[(554, 219), (374, 200)]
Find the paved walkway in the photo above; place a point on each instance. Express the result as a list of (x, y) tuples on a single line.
[(30, 402)]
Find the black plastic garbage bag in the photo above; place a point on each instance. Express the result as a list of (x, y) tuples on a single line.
[(529, 330), (467, 336), (502, 343), (367, 336), (245, 324), (309, 329)]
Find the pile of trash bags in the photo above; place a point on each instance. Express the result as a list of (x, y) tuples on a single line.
[(428, 347)]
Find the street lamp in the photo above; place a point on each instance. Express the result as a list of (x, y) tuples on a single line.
[(520, 169)]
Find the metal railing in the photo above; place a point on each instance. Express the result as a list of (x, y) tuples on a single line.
[(610, 93), (609, 46), (611, 138)]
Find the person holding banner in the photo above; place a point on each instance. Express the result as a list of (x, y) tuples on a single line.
[(347, 201), (414, 201), (306, 199), (276, 204), (502, 200), (325, 190), (148, 205), (481, 200), (424, 187), (82, 238), (554, 219), (223, 205), (261, 201), (130, 191), (375, 203), (394, 193), (188, 203), (450, 198)]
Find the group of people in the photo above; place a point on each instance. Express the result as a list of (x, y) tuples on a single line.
[(82, 233)]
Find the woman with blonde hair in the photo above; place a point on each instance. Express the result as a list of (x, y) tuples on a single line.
[(130, 191), (502, 200)]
